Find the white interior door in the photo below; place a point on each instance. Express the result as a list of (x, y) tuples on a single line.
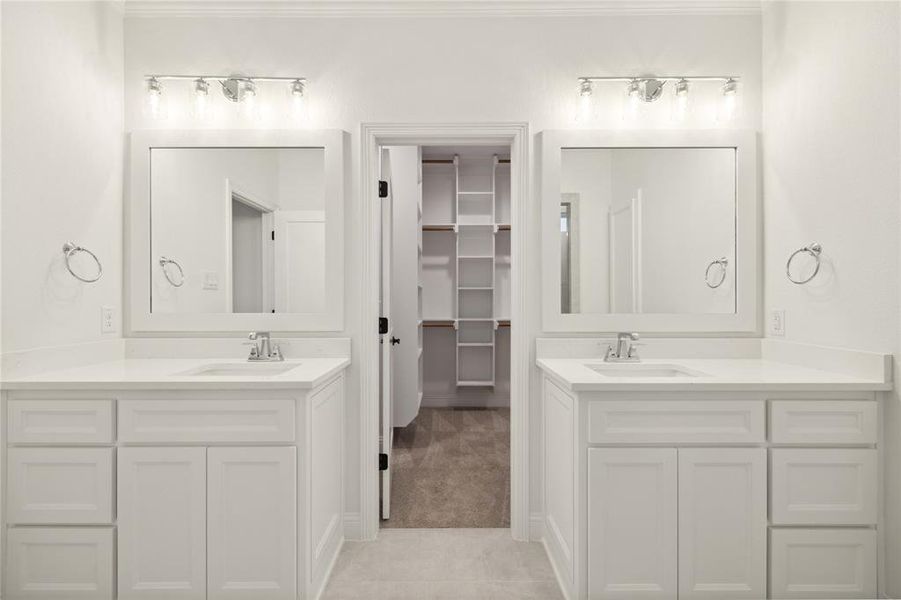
[(386, 362), (299, 281)]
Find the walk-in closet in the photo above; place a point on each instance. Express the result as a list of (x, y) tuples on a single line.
[(450, 293)]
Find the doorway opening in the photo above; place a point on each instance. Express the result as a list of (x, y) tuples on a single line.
[(446, 292), (445, 390)]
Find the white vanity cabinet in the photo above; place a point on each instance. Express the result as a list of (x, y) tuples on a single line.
[(173, 494), (683, 495)]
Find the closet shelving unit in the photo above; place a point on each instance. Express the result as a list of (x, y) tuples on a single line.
[(466, 261)]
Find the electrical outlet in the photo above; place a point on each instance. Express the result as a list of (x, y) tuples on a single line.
[(107, 319), (777, 322), (211, 280)]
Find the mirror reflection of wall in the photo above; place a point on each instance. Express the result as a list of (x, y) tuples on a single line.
[(640, 226), (246, 225)]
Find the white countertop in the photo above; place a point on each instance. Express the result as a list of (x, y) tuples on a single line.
[(716, 375), (169, 374)]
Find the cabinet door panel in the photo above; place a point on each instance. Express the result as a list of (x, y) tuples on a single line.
[(252, 523), (823, 563), (162, 523), (824, 486), (632, 523), (60, 486), (64, 563), (722, 523)]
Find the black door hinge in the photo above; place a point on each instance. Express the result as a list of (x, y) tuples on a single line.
[(273, 235), (383, 325), (383, 462), (383, 189)]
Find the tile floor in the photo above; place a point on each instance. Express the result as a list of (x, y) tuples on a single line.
[(443, 564)]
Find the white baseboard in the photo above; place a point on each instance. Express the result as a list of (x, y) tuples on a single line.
[(536, 527), (353, 527)]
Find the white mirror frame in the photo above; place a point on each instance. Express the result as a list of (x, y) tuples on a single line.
[(138, 259), (745, 320)]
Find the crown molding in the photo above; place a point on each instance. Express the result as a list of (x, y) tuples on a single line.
[(436, 8)]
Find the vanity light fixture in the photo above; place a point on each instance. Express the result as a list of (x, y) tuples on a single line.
[(647, 89), (297, 99), (200, 108), (586, 101), (154, 101), (681, 100), (632, 101), (729, 101), (240, 89)]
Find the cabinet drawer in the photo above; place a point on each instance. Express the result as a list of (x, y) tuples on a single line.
[(823, 422), (823, 486), (60, 485), (61, 421), (823, 563), (642, 422), (66, 563), (206, 421)]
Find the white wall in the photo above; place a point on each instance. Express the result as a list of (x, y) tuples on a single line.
[(62, 145), (831, 175), (435, 70)]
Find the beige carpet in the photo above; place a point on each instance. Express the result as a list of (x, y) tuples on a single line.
[(451, 468)]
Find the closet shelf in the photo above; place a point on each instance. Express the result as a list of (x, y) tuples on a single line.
[(486, 289), (475, 344), (476, 256), (438, 227), (476, 383), (438, 323), (475, 193)]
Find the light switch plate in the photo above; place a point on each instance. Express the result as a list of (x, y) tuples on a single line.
[(777, 322), (107, 319)]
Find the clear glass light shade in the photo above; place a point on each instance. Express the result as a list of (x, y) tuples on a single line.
[(201, 102), (297, 101), (249, 106), (632, 101), (587, 103), (729, 102), (155, 105), (681, 106)]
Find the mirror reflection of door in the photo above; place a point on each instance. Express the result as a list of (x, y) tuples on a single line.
[(252, 257)]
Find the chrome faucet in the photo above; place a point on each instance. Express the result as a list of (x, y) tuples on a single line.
[(624, 351), (263, 350)]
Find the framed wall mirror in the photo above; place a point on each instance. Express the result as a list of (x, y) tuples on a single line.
[(651, 231), (233, 231)]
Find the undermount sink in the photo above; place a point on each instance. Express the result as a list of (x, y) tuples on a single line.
[(261, 369), (641, 370)]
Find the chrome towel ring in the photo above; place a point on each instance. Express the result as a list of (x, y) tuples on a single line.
[(164, 262), (70, 250), (723, 263), (813, 250)]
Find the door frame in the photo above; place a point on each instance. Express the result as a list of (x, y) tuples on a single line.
[(373, 136), (236, 191)]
